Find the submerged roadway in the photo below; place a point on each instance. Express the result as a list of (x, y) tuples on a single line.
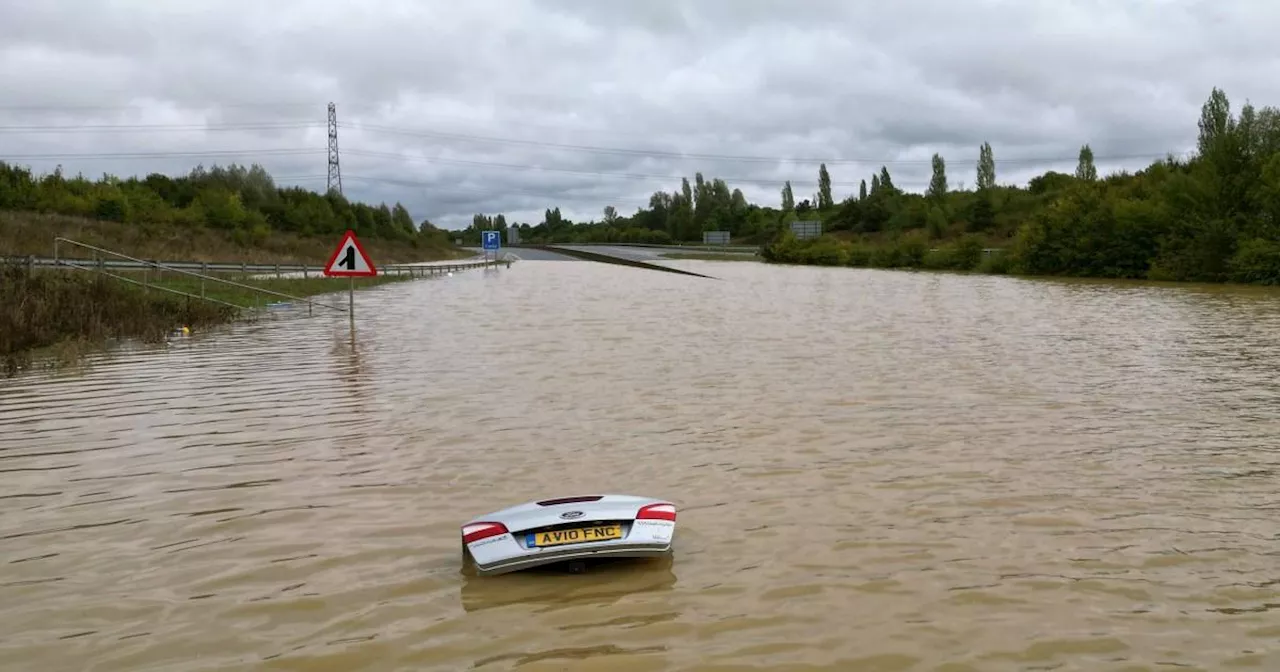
[(634, 253)]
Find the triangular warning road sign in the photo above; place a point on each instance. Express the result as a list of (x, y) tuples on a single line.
[(349, 259)]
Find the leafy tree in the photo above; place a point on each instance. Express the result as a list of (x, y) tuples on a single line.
[(824, 188), (885, 181), (1085, 169), (243, 200), (986, 167), (1214, 216), (938, 183)]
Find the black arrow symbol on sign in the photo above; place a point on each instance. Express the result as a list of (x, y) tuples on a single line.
[(350, 260)]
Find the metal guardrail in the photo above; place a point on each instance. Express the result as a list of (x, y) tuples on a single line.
[(99, 267), (703, 247), (692, 247), (247, 268), (202, 271)]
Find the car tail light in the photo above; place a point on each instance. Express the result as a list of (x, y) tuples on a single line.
[(478, 531), (657, 512), (570, 500)]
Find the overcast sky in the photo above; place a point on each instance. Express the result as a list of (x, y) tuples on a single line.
[(514, 106)]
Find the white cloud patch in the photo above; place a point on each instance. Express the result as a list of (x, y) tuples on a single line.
[(516, 106)]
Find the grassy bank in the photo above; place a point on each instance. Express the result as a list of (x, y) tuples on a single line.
[(1213, 217), (28, 233), (1253, 261), (913, 250), (56, 315), (245, 297), (220, 213), (707, 256)]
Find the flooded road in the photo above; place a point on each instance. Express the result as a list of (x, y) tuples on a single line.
[(875, 471)]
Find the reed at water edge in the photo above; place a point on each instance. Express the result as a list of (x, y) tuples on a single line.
[(43, 310), (56, 314)]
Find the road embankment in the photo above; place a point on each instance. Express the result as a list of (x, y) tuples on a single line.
[(55, 315)]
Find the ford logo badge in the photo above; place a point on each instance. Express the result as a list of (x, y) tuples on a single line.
[(570, 515)]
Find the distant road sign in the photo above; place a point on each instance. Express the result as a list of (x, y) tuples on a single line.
[(492, 240), (715, 237), (349, 259)]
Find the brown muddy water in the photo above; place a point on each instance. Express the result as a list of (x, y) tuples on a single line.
[(875, 471)]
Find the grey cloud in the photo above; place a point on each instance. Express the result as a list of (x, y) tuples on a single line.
[(869, 83)]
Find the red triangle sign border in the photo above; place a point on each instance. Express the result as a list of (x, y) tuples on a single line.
[(349, 236)]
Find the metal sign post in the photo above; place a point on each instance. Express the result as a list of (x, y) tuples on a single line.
[(349, 260), (492, 242)]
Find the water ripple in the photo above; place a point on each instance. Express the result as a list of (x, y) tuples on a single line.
[(876, 470)]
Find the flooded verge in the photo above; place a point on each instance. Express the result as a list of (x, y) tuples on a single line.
[(875, 470)]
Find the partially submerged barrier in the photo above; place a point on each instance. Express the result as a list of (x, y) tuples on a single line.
[(609, 259)]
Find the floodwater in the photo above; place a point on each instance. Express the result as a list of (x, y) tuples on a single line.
[(875, 471)]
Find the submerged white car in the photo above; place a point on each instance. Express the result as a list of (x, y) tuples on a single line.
[(568, 529)]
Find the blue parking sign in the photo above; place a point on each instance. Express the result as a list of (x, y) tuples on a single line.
[(492, 241)]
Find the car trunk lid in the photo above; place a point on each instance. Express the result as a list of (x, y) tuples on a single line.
[(571, 512)]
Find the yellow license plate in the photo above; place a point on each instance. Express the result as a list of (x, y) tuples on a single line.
[(575, 536)]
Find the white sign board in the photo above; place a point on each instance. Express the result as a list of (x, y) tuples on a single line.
[(806, 229)]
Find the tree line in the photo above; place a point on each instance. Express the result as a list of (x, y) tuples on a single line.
[(1213, 216), (244, 201), (878, 208)]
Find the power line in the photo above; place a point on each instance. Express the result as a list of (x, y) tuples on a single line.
[(622, 151), (707, 157), (470, 119), (297, 178), (334, 176), (86, 156), (151, 128), (585, 148), (134, 106), (552, 195), (160, 155), (593, 173)]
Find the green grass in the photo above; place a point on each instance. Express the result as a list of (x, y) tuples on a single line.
[(67, 312), (301, 287), (710, 257), (30, 233), (56, 316)]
